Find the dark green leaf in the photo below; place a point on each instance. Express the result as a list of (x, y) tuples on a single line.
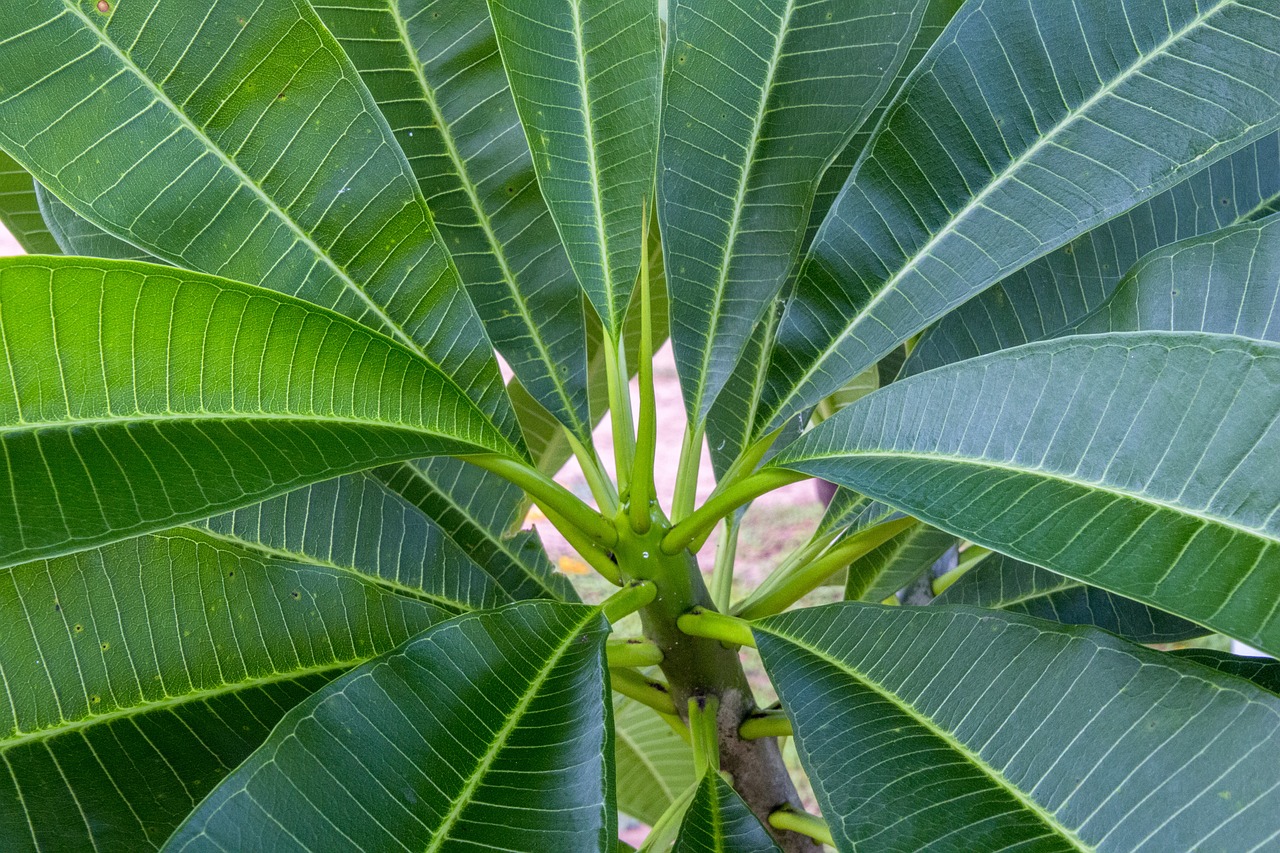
[(896, 563), (1134, 462), (239, 142), (1028, 123), (490, 730), (1048, 296), (955, 729), (1264, 672), (585, 80), (357, 524), (138, 674), (20, 210), (718, 821), (138, 397), (758, 97), (1003, 583), (433, 68)]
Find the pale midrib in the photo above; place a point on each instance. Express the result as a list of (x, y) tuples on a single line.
[(482, 218), (739, 204), (395, 587), (52, 732), (593, 175), (500, 542), (978, 201), (464, 796), (1047, 818), (297, 230), (1040, 474)]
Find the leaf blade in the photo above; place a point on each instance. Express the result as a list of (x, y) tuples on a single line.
[(718, 821)]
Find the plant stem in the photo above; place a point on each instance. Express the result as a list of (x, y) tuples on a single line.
[(726, 554), (646, 691), (602, 488), (972, 555), (803, 823), (781, 591), (642, 495), (686, 491), (765, 724), (705, 518), (632, 651), (551, 496), (701, 622), (624, 436)]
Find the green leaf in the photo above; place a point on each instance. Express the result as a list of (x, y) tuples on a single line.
[(240, 143), (78, 236), (718, 821), (20, 211), (758, 98), (1003, 583), (1227, 282), (937, 14), (1134, 462), (138, 674), (896, 563), (478, 510), (433, 68), (357, 524), (980, 167), (654, 764), (1264, 672), (732, 415), (1088, 743), (487, 730), (1047, 297), (138, 397), (585, 80)]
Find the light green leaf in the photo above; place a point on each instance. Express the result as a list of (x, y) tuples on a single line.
[(1088, 743), (1227, 282), (1134, 462), (1027, 124), (1047, 297), (137, 397), (138, 674), (1003, 583), (937, 14), (896, 563), (758, 97), (357, 524), (489, 730), (173, 131), (20, 210), (433, 68), (585, 80), (1264, 672), (78, 236), (654, 764), (718, 821), (479, 511)]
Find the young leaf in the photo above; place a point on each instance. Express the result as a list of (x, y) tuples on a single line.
[(984, 164), (138, 674), (433, 68), (1135, 462), (955, 729), (718, 821), (241, 143), (368, 530), (20, 211), (896, 563), (138, 397), (486, 728), (585, 80), (654, 765), (757, 99), (1003, 583), (1049, 296)]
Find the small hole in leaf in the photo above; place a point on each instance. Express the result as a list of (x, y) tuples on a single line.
[(106, 646), (295, 595), (95, 699), (79, 628)]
